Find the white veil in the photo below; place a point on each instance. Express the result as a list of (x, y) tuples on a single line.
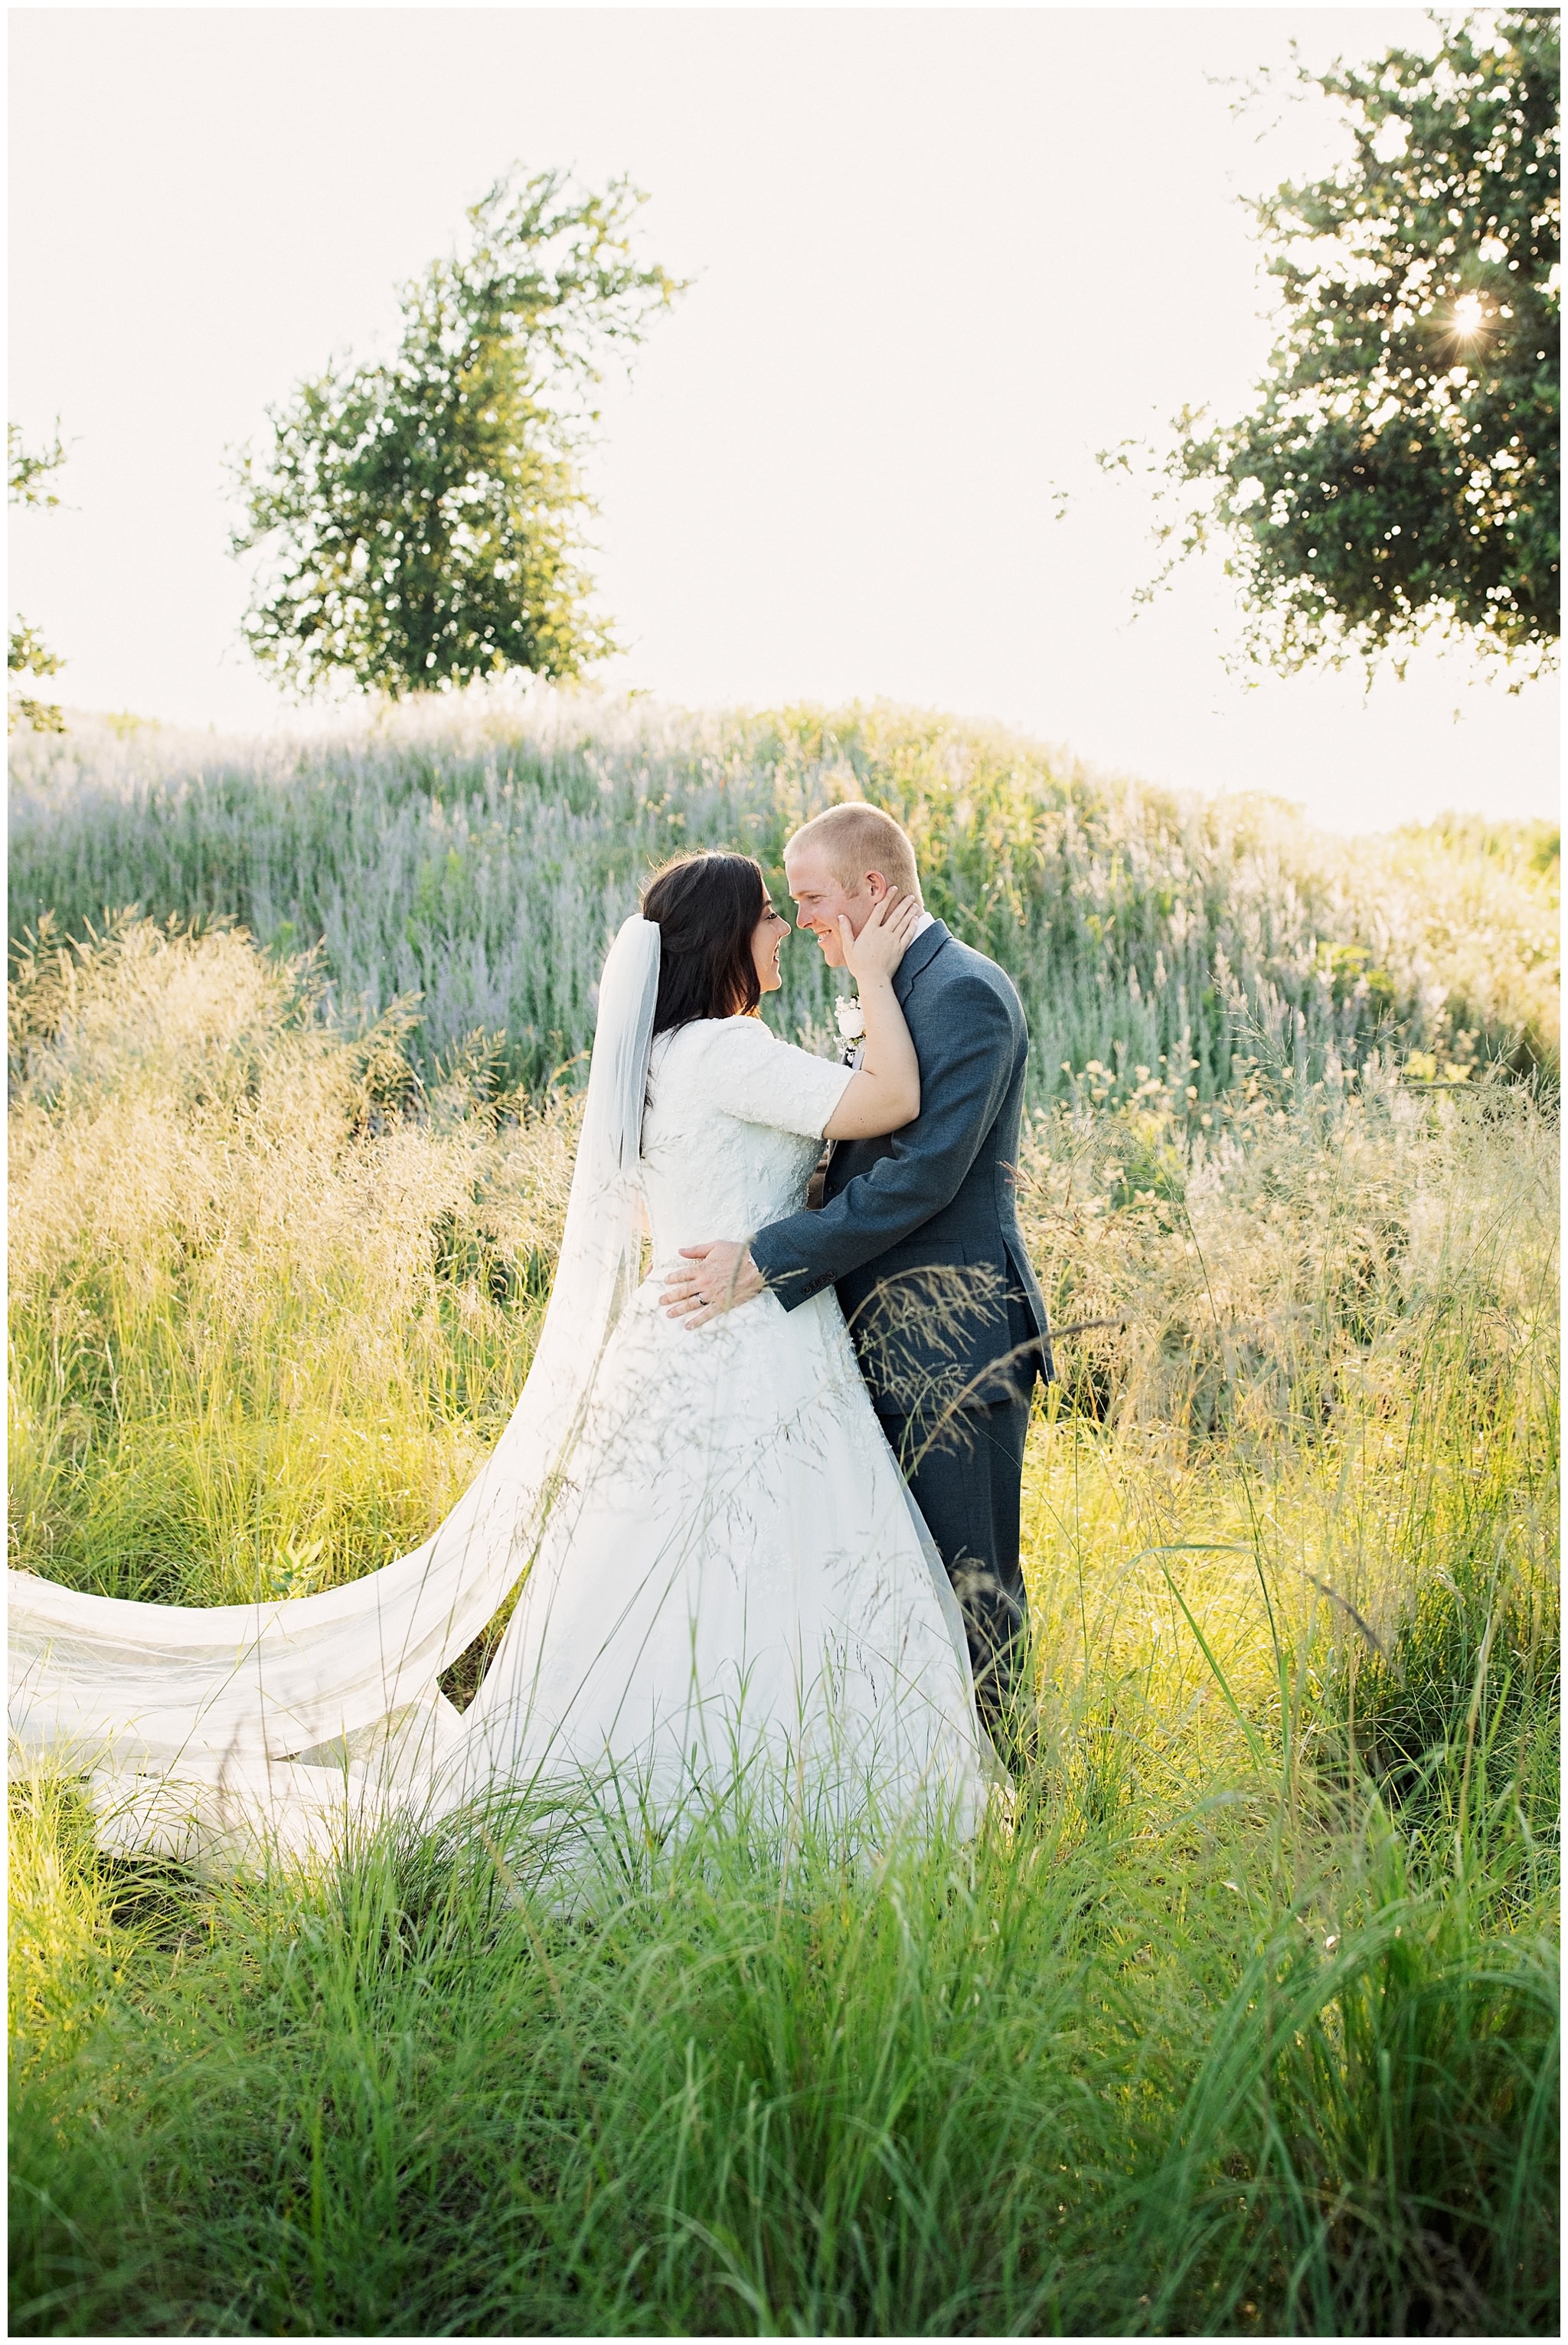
[(153, 1690)]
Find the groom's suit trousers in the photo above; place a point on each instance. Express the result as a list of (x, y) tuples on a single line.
[(965, 1470), (965, 1475)]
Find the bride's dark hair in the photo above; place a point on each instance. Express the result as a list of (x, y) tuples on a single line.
[(707, 908)]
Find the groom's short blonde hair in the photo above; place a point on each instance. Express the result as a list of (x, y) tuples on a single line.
[(855, 838)]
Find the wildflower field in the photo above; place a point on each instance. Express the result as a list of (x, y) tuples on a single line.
[(1245, 2017)]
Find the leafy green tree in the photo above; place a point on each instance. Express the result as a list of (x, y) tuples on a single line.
[(26, 653), (422, 518), (1398, 474)]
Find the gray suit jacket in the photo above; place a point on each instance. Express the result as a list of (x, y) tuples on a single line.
[(919, 1231)]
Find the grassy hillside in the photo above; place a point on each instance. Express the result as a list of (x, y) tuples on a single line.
[(1245, 2021), (477, 857)]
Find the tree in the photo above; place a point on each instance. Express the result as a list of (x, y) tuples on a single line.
[(26, 653), (1398, 474), (422, 518)]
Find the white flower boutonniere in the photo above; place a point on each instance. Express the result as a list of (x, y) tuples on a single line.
[(851, 1019)]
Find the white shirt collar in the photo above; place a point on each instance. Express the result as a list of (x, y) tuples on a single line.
[(921, 925)]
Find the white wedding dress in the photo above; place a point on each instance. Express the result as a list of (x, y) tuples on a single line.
[(727, 1582)]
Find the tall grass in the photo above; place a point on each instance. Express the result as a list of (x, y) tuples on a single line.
[(479, 856), (265, 1323), (1243, 2019)]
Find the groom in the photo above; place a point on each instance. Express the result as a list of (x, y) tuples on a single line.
[(919, 1233)]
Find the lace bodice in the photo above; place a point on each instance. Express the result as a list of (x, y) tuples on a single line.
[(734, 1127)]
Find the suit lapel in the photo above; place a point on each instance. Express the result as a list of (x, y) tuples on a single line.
[(921, 954)]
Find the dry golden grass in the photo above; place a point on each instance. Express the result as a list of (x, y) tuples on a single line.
[(266, 1318)]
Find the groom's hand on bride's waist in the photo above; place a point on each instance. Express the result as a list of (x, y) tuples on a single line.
[(714, 1279)]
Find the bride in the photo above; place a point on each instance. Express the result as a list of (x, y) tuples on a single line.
[(723, 1577)]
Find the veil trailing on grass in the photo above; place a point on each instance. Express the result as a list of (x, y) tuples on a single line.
[(223, 1695)]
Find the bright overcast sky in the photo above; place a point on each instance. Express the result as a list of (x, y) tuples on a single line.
[(939, 257)]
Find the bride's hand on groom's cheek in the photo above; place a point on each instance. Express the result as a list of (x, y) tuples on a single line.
[(719, 1276)]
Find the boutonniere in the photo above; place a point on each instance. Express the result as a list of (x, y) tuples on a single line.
[(851, 1019)]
